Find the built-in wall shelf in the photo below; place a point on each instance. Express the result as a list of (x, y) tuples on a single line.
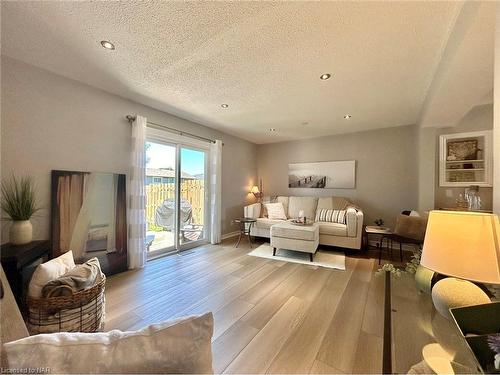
[(465, 159), (465, 169)]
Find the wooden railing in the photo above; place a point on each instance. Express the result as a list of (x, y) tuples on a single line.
[(308, 181), (191, 190)]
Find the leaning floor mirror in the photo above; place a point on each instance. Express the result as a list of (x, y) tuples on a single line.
[(89, 217)]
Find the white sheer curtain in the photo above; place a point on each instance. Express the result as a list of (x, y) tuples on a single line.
[(215, 191), (137, 203)]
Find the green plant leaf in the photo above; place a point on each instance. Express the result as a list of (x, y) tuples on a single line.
[(19, 198)]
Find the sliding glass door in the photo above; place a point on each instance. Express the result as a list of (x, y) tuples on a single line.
[(161, 176), (192, 226), (176, 196)]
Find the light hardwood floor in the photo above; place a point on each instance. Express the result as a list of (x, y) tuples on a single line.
[(270, 316)]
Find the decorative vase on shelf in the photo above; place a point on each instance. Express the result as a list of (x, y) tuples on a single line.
[(21, 232), (19, 203)]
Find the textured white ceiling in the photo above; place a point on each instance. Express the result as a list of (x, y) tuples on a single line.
[(262, 58)]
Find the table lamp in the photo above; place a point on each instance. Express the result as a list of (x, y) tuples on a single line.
[(256, 191), (464, 246)]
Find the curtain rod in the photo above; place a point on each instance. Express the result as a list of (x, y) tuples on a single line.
[(131, 118)]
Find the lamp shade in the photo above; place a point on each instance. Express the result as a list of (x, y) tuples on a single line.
[(463, 245), (255, 189)]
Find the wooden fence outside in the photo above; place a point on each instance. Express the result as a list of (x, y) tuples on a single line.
[(191, 190)]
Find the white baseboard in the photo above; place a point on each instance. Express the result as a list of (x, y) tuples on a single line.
[(230, 235)]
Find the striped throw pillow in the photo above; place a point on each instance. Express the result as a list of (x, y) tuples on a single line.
[(332, 216)]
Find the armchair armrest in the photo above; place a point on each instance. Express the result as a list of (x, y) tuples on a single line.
[(252, 210), (354, 222)]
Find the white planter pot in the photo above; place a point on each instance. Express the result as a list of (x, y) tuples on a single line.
[(21, 232)]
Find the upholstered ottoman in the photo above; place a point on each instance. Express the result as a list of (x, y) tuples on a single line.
[(304, 238)]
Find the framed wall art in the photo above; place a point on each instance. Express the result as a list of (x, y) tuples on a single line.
[(323, 175)]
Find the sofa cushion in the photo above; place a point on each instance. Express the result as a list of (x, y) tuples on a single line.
[(325, 203), (333, 203), (275, 211), (180, 346), (265, 223), (287, 230), (284, 201), (265, 199), (340, 203), (307, 204), (253, 210), (332, 229)]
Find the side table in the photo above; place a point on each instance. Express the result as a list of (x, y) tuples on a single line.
[(245, 227), (381, 233), (15, 261)]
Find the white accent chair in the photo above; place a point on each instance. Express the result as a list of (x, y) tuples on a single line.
[(347, 235)]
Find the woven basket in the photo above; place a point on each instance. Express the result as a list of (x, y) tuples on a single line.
[(81, 312)]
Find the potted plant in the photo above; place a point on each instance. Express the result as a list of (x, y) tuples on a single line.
[(19, 203), (423, 276)]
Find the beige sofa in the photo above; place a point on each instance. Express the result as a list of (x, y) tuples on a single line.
[(347, 235)]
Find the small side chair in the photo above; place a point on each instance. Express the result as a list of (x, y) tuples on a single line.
[(410, 229)]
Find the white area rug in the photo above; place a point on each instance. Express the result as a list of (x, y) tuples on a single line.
[(322, 258)]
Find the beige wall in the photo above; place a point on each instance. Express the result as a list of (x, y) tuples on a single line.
[(50, 122), (386, 168), (479, 118), (496, 125), (427, 143)]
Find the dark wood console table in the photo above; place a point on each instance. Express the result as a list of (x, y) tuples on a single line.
[(15, 261)]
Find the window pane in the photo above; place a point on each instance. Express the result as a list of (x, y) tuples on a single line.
[(160, 196), (192, 195)]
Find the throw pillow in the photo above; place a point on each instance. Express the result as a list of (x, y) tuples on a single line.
[(80, 277), (332, 216), (275, 211), (49, 271), (307, 204), (174, 347)]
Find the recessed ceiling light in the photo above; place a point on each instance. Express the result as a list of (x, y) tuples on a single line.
[(108, 45), (224, 105), (347, 117), (325, 76), (272, 129)]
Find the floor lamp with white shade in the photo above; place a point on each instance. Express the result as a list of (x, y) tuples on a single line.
[(464, 246)]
